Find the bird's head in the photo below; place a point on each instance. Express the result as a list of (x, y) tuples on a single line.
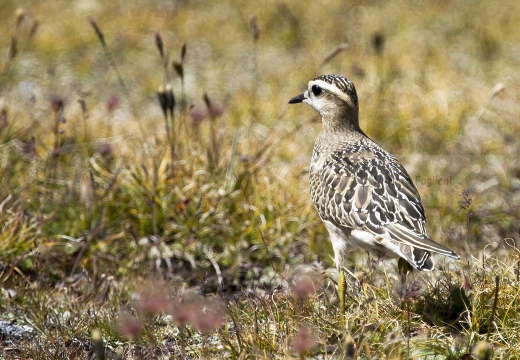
[(334, 97)]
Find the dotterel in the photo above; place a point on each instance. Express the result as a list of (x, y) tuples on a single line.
[(362, 193)]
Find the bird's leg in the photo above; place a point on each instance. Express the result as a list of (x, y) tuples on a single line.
[(404, 268), (342, 289)]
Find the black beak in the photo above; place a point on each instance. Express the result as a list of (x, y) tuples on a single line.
[(297, 99)]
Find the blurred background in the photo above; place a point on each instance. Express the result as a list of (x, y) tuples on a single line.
[(105, 180)]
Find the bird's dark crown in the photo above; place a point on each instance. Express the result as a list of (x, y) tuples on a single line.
[(341, 83)]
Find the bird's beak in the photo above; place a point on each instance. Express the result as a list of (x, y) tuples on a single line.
[(297, 99)]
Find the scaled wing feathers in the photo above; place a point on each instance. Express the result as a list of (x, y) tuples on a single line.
[(363, 187)]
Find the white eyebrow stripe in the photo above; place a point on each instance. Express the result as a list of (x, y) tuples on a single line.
[(332, 89)]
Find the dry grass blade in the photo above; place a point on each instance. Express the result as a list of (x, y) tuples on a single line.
[(494, 308), (97, 30), (331, 55)]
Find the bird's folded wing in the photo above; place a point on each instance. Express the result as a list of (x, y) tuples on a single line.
[(406, 236), (367, 188)]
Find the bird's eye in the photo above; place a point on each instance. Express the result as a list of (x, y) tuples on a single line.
[(316, 90)]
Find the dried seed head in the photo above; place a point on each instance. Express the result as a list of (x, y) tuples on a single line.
[(179, 68), (466, 200), (214, 109), (97, 342), (378, 41), (210, 314), (112, 103), (197, 114), (83, 106), (159, 44), (304, 340), (166, 99), (358, 70), (13, 48), (183, 52), (57, 103), (183, 312), (482, 350), (254, 28), (35, 24), (129, 326), (170, 99), (153, 304), (151, 297), (350, 347), (207, 100), (163, 101), (20, 15), (408, 291), (306, 281), (104, 150)]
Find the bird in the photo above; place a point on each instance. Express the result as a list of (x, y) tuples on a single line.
[(362, 193)]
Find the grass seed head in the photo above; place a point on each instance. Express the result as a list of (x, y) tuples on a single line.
[(306, 281), (254, 28), (350, 347), (99, 33), (409, 291), (35, 24), (159, 44), (152, 299), (482, 351), (163, 101), (178, 67), (57, 103), (378, 41), (83, 105), (104, 150), (466, 200), (13, 48), (183, 312), (113, 103), (214, 109), (210, 314), (99, 346), (183, 52), (197, 114), (170, 98), (20, 15), (129, 326), (304, 341)]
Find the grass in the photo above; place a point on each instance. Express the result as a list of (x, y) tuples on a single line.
[(129, 230)]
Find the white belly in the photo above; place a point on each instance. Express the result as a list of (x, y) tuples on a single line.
[(341, 238)]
